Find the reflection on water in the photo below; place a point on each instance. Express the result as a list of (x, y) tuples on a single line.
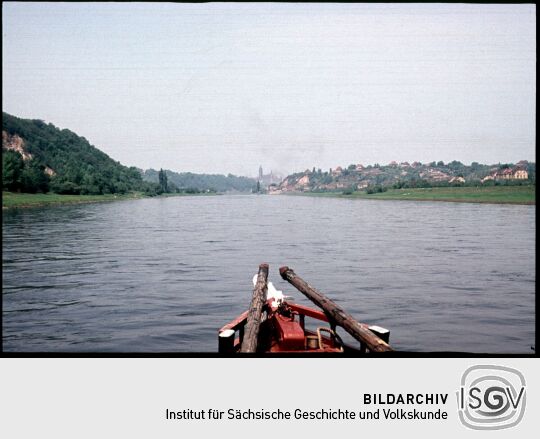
[(162, 275)]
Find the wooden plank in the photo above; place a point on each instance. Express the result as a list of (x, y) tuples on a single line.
[(335, 313), (251, 334)]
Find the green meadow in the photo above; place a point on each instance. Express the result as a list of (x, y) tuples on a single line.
[(12, 199), (489, 194), (21, 200)]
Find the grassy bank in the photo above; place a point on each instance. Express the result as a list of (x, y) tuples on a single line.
[(13, 200), (20, 200), (490, 194)]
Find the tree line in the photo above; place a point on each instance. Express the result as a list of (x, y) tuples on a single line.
[(189, 182), (60, 161)]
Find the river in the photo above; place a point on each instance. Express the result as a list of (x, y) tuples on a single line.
[(163, 274)]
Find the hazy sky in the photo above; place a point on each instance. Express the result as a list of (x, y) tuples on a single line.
[(225, 87)]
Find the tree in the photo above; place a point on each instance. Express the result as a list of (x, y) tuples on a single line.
[(12, 169), (456, 165), (162, 177), (34, 179)]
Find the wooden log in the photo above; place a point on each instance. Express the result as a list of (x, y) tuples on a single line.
[(251, 333), (335, 313)]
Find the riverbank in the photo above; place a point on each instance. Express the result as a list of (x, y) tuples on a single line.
[(20, 200), (11, 200), (490, 194)]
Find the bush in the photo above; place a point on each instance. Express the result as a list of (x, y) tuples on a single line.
[(376, 189), (66, 188)]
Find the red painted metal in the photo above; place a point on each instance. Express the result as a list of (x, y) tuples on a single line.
[(284, 331), (309, 312), (290, 334)]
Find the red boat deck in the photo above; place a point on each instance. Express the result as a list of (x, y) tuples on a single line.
[(284, 331), (274, 325)]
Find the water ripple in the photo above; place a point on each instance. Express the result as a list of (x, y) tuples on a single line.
[(164, 275)]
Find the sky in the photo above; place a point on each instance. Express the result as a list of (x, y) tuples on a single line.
[(226, 87)]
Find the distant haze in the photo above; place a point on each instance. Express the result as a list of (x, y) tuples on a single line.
[(221, 88)]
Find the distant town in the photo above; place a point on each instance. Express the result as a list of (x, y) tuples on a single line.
[(270, 179), (357, 177)]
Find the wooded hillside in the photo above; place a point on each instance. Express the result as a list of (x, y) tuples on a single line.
[(38, 157)]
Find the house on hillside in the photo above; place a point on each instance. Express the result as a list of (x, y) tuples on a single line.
[(304, 181), (504, 174), (362, 185), (510, 174), (273, 189), (435, 175), (507, 174), (521, 174), (337, 171)]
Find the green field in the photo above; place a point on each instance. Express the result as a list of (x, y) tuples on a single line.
[(490, 194), (20, 200), (12, 200)]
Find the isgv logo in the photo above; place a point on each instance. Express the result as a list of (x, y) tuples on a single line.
[(491, 397)]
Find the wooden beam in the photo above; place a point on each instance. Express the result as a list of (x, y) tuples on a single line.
[(251, 334), (335, 313), (226, 342)]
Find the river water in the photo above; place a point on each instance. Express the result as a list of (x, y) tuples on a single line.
[(163, 274)]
